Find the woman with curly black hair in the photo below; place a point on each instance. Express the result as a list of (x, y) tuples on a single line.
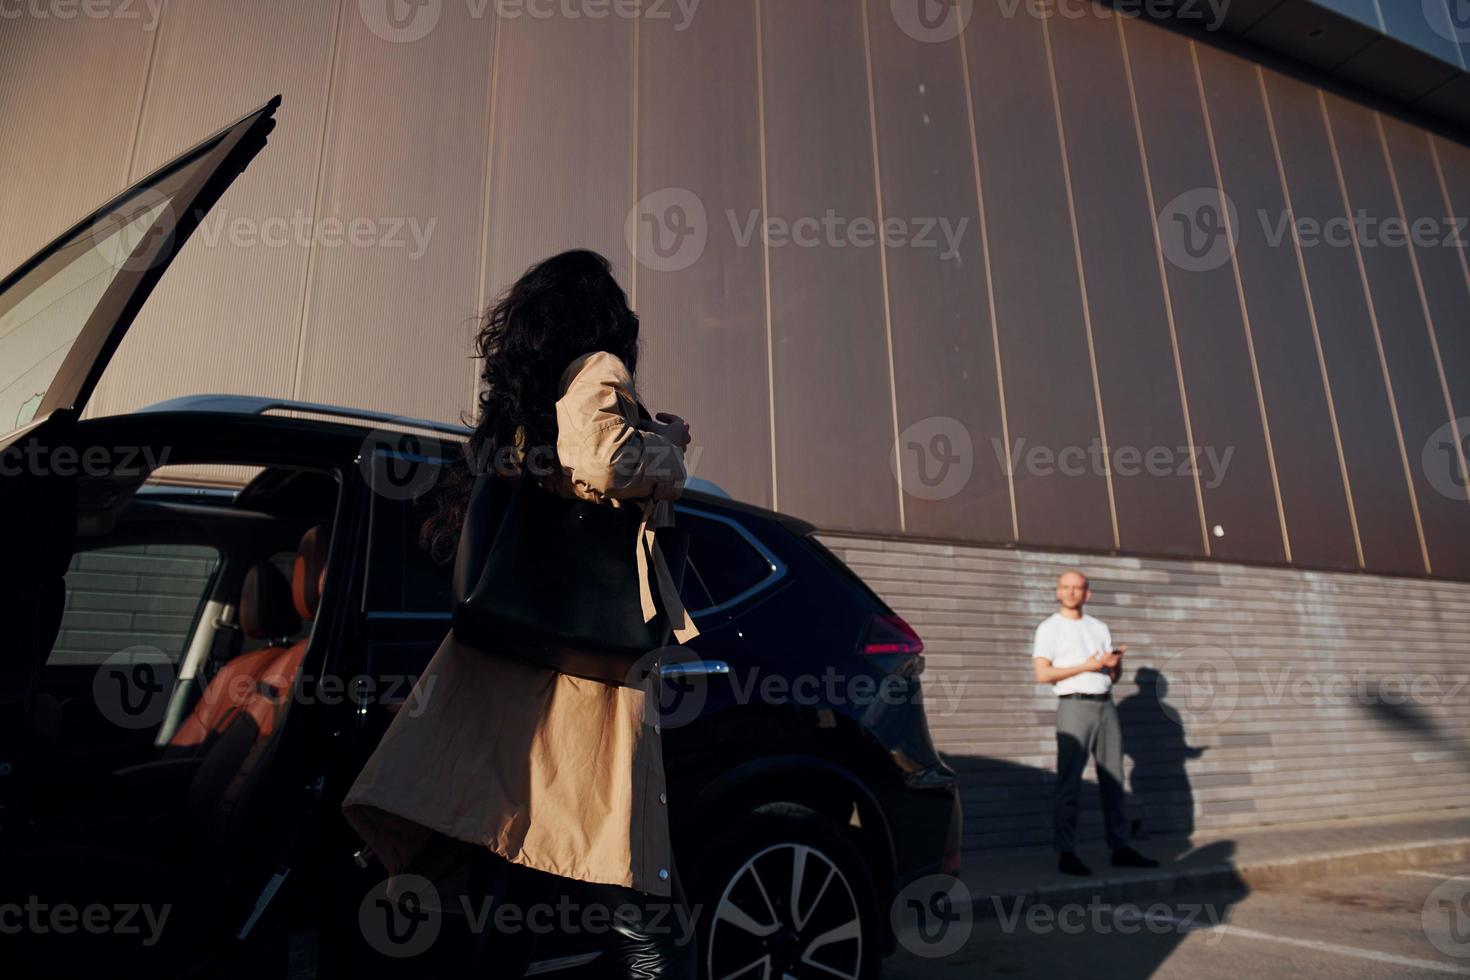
[(501, 774)]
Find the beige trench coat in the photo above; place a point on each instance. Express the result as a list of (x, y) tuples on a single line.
[(550, 771)]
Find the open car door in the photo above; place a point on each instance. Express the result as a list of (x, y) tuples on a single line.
[(62, 315)]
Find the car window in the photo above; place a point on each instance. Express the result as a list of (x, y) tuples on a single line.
[(726, 560), (42, 313), (401, 576), (132, 596)]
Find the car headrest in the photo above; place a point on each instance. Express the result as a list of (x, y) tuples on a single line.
[(266, 610), (309, 571)]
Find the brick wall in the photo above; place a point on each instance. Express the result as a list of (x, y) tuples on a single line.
[(1288, 695), (134, 595)]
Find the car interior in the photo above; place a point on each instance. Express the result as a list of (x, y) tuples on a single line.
[(160, 709)]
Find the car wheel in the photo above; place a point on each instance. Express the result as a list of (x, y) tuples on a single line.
[(786, 894)]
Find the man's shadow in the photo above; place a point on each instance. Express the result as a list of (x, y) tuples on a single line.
[(1154, 738)]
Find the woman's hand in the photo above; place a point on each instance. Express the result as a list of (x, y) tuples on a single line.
[(673, 428)]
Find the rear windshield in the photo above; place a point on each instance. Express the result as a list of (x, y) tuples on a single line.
[(845, 572)]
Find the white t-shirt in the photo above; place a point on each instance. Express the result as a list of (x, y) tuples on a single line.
[(1067, 643)]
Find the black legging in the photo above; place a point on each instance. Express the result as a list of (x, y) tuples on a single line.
[(645, 937)]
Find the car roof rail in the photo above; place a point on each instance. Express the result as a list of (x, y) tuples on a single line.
[(255, 405), (702, 485)]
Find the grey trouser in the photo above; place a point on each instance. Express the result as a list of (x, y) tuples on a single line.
[(1088, 728)]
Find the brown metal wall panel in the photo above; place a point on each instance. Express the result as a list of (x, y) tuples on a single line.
[(1158, 512), (239, 281), (832, 390), (69, 93), (1050, 399), (1442, 193), (943, 344), (562, 146), (703, 316), (1442, 263), (387, 321), (1407, 347), (1214, 342), (1308, 464), (1364, 417), (1312, 677)]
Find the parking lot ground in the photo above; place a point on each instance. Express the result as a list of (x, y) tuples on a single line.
[(1405, 922)]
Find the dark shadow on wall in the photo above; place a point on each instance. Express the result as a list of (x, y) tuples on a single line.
[(1395, 707), (1156, 743)]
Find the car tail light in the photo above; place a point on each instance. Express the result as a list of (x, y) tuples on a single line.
[(889, 634)]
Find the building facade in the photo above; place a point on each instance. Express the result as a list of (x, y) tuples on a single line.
[(981, 289)]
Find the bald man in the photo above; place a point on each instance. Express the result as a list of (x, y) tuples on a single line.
[(1074, 653)]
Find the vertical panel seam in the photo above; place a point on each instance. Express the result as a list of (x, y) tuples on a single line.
[(1393, 408), (1102, 426), (143, 91), (1312, 317), (1444, 384), (883, 257), (1460, 47), (328, 117), (633, 151), (760, 101), (1245, 316), (1153, 218), (1005, 427), (480, 282), (1449, 205)]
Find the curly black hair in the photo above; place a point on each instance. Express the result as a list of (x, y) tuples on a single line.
[(561, 308)]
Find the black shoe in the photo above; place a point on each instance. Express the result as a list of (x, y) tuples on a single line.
[(1069, 864), (1127, 857)]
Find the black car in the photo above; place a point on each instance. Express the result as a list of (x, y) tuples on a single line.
[(198, 671)]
